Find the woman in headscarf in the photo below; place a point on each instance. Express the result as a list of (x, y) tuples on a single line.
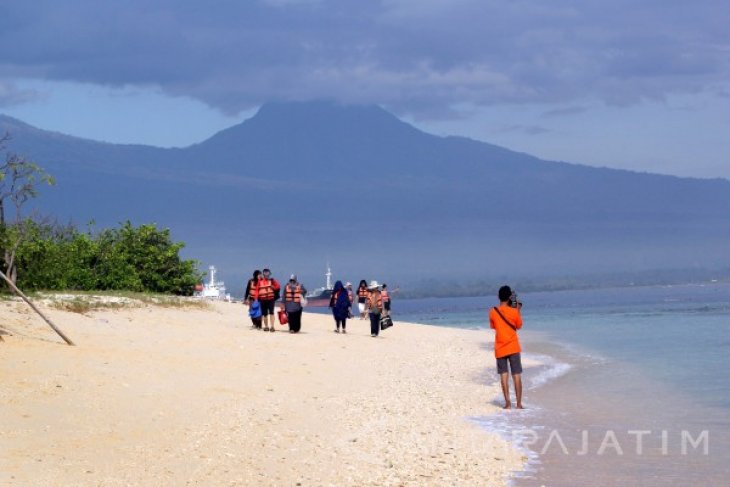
[(340, 304)]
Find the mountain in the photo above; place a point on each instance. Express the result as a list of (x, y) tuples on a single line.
[(299, 184)]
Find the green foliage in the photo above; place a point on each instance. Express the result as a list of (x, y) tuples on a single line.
[(142, 259)]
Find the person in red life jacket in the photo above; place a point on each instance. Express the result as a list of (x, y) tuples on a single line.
[(505, 320), (362, 297), (340, 304), (386, 298), (267, 290), (248, 297), (374, 307), (293, 292)]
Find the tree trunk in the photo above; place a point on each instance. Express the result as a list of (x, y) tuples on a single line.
[(40, 313)]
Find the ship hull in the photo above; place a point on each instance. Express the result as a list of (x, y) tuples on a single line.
[(321, 300)]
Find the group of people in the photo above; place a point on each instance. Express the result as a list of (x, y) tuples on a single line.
[(263, 291), (372, 300)]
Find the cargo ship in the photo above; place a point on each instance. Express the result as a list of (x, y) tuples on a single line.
[(320, 297)]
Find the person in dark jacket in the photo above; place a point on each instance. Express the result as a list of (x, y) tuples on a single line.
[(340, 304)]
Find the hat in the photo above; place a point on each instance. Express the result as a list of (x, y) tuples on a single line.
[(293, 277), (349, 284), (373, 285)]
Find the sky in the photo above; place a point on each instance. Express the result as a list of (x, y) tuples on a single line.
[(641, 84)]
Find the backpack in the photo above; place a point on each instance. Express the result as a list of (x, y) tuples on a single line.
[(277, 289)]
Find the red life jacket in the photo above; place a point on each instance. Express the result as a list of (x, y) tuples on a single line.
[(265, 289), (363, 292), (293, 294)]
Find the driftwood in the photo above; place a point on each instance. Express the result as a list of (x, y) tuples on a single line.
[(45, 318)]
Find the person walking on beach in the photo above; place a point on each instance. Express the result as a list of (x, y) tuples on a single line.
[(374, 307), (266, 290), (505, 320), (340, 304), (248, 297), (362, 297), (293, 292), (386, 298), (351, 297)]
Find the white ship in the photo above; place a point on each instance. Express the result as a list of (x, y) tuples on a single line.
[(212, 289)]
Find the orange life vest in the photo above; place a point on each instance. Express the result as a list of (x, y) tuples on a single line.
[(265, 289), (349, 295), (293, 294), (375, 304), (363, 292)]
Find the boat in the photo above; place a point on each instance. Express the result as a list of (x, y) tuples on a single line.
[(320, 297), (213, 289)]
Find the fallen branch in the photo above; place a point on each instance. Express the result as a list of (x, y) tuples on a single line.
[(45, 318)]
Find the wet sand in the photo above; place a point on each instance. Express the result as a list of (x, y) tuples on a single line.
[(185, 396)]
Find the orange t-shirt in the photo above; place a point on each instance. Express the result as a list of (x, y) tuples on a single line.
[(505, 341)]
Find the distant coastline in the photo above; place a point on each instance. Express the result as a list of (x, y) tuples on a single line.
[(450, 288)]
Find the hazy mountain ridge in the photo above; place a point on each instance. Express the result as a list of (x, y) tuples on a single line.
[(373, 194)]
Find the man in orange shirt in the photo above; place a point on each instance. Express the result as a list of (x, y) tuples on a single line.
[(505, 320)]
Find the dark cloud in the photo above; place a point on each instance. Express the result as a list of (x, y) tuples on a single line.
[(420, 57)]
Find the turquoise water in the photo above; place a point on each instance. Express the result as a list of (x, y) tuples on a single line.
[(649, 359)]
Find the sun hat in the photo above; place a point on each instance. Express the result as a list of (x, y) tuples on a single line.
[(373, 285), (293, 277), (349, 284)]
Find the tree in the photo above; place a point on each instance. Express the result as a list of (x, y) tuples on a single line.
[(19, 180)]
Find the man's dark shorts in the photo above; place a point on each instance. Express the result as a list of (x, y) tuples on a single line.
[(267, 307), (515, 364)]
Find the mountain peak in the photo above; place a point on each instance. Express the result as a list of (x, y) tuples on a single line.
[(325, 113), (321, 120)]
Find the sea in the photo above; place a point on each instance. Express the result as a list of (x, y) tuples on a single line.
[(633, 386)]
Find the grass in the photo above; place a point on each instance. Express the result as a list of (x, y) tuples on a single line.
[(83, 306), (85, 302)]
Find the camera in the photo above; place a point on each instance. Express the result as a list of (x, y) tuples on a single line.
[(514, 302)]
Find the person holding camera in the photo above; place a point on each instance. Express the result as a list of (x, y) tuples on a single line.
[(505, 320)]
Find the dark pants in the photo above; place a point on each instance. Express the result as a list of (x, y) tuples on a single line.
[(295, 320), (256, 322), (339, 321), (374, 323)]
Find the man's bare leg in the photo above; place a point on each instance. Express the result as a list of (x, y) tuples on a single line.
[(504, 380), (517, 379)]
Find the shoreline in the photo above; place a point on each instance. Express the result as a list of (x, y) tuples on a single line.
[(157, 395)]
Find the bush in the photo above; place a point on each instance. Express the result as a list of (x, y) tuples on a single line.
[(143, 259)]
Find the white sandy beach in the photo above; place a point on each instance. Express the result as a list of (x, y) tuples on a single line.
[(187, 396)]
